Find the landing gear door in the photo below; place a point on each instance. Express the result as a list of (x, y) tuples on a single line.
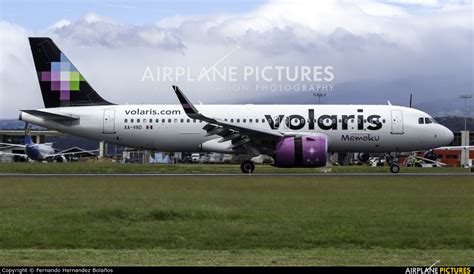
[(397, 122), (109, 121)]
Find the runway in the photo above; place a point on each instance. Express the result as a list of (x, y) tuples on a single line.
[(233, 174)]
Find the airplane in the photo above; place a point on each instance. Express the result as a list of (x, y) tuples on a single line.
[(37, 152), (294, 135)]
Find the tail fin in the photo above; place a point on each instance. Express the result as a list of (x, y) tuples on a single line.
[(28, 140), (62, 85)]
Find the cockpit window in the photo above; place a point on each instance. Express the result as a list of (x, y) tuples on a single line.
[(426, 120)]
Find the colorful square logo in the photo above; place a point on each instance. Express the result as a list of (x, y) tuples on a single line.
[(63, 77)]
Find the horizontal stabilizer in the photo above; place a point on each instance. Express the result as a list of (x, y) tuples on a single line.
[(51, 116)]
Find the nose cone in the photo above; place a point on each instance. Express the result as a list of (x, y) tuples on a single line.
[(447, 136)]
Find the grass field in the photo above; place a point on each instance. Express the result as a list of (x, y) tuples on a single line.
[(236, 220), (102, 167)]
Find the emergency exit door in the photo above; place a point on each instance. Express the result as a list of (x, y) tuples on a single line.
[(397, 122), (109, 121)]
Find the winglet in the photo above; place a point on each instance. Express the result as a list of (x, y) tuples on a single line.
[(187, 105)]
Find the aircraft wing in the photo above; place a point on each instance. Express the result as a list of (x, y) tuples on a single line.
[(14, 154), (455, 148), (240, 135), (11, 145), (70, 153), (193, 113)]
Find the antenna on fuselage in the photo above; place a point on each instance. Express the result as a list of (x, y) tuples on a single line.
[(411, 100)]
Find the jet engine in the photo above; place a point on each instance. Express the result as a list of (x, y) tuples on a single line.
[(431, 155), (363, 157), (60, 159), (301, 151)]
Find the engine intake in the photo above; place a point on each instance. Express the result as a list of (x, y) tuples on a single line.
[(301, 151)]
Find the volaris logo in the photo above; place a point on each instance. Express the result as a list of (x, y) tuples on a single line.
[(327, 122), (64, 78)]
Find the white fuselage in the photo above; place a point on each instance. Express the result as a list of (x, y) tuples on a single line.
[(349, 128)]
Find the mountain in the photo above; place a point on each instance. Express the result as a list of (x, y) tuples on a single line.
[(456, 124)]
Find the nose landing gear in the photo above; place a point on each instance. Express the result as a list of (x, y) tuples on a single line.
[(393, 160), (394, 168)]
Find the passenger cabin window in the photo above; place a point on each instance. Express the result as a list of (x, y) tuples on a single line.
[(421, 121)]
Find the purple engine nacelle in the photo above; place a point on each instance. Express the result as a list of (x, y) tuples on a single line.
[(301, 151)]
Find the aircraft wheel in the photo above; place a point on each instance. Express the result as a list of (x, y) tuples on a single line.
[(394, 168), (247, 166)]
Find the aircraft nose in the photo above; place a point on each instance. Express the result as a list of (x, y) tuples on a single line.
[(447, 136)]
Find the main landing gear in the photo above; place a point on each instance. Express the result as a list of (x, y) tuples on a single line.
[(247, 167)]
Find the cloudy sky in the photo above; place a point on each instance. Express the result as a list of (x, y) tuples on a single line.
[(375, 50)]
